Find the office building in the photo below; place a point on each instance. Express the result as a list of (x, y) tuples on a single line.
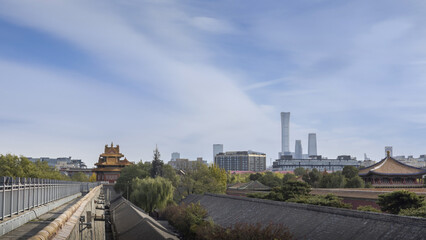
[(312, 144), (298, 150), (285, 133), (61, 162), (217, 148), (186, 164), (288, 163), (175, 156), (241, 161)]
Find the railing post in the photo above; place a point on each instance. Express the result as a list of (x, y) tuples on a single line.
[(23, 195), (4, 198), (19, 199), (11, 196), (32, 186), (56, 189), (42, 191), (48, 190), (38, 191)]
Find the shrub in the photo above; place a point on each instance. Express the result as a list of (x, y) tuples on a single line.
[(329, 200), (245, 231), (415, 212), (395, 201), (355, 182), (187, 218), (368, 208)]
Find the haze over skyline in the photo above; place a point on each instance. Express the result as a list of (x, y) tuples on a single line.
[(76, 75)]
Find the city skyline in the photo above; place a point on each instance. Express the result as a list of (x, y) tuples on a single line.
[(188, 75)]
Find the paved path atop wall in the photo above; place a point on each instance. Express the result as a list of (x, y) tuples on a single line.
[(310, 221), (31, 228)]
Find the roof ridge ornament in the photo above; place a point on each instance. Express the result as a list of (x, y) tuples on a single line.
[(388, 154)]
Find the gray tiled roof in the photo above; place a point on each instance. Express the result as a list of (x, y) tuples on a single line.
[(310, 221), (131, 222)]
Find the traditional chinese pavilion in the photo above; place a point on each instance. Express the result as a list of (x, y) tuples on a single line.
[(392, 173), (109, 164)]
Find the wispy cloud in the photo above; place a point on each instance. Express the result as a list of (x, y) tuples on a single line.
[(187, 75)]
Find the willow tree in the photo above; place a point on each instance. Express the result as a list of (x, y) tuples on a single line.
[(151, 193)]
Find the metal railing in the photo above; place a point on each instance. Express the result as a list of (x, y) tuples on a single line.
[(22, 194)]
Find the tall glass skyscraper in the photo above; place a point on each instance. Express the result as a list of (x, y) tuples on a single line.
[(217, 148), (312, 144), (298, 150), (285, 133)]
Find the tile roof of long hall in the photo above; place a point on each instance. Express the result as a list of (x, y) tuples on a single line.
[(252, 185), (390, 166)]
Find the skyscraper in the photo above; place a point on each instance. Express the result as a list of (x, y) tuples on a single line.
[(390, 150), (312, 144), (285, 133), (175, 155), (298, 150), (217, 148)]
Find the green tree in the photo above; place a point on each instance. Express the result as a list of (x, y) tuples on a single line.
[(140, 170), (255, 176), (313, 177), (201, 179), (170, 173), (350, 172), (290, 189), (289, 177), (355, 182), (79, 177), (299, 171), (271, 180), (332, 180), (151, 193), (395, 201), (157, 164), (14, 166)]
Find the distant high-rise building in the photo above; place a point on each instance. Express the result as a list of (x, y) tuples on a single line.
[(298, 150), (241, 161), (312, 144), (175, 156), (217, 148), (389, 149), (285, 133)]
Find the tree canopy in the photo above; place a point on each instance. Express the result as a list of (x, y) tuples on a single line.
[(14, 166), (79, 177), (151, 193)]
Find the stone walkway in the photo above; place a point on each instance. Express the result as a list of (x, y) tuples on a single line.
[(33, 227)]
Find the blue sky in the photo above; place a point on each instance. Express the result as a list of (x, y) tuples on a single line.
[(76, 75)]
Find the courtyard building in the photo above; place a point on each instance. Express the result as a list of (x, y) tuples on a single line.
[(391, 173)]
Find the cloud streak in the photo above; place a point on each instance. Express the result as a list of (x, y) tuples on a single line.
[(185, 76)]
